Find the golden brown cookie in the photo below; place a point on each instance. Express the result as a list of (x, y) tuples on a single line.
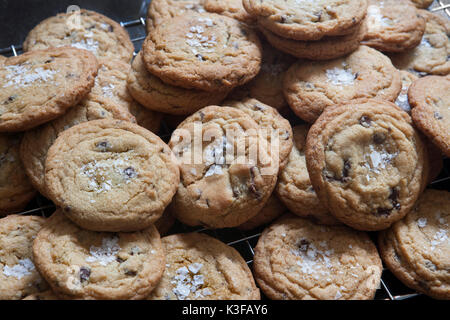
[(311, 87), (430, 101), (422, 4), (416, 249), (82, 264), (367, 163), (111, 175), (203, 51), (296, 259), (46, 295), (18, 274), (200, 267), (40, 86), (230, 8), (82, 29)]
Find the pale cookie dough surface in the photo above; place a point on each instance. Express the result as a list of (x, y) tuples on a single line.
[(308, 20), (19, 276), (367, 163), (110, 175), (294, 187), (311, 87), (204, 51), (39, 86), (83, 29), (417, 248), (199, 267), (16, 189), (296, 259), (226, 178), (82, 264)]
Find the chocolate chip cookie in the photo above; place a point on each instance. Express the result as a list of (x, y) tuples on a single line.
[(156, 95), (16, 190), (430, 101), (367, 163), (416, 249), (393, 25), (39, 86), (82, 29), (227, 174), (230, 8), (296, 259), (46, 295), (422, 4), (111, 175), (311, 87), (18, 274), (82, 264), (431, 55), (294, 188), (200, 267), (308, 20), (203, 51)]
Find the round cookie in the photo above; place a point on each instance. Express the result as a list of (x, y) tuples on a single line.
[(46, 295), (227, 174), (416, 249), (308, 20), (200, 267), (276, 129), (296, 259), (16, 190), (311, 87), (36, 143), (110, 175), (230, 8), (162, 10), (205, 51), (82, 29), (40, 86), (422, 4), (294, 187), (326, 49), (393, 25), (82, 264), (430, 101), (367, 163), (18, 274), (402, 100), (272, 210), (156, 95), (431, 56)]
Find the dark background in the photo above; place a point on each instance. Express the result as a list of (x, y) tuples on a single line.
[(18, 17)]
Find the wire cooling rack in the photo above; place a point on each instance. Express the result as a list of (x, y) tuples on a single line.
[(245, 241)]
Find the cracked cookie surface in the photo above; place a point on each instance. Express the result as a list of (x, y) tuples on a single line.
[(82, 264), (111, 175), (200, 267), (367, 163), (296, 259), (417, 248)]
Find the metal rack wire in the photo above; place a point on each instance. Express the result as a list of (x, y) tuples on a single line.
[(245, 241)]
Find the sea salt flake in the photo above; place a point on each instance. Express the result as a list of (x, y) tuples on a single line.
[(340, 77), (422, 222), (20, 270), (106, 253)]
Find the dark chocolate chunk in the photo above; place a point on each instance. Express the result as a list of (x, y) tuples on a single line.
[(85, 273), (365, 121)]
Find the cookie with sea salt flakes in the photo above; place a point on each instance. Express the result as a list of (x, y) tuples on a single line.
[(308, 20), (393, 25), (203, 51), (82, 29), (111, 175), (39, 86), (18, 274), (82, 264), (296, 259), (367, 163), (416, 249), (430, 101), (311, 87), (227, 172), (200, 267)]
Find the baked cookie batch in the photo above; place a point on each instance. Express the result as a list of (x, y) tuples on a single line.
[(346, 102)]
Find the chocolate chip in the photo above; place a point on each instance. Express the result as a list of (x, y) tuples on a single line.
[(130, 273), (202, 115), (346, 169), (356, 75), (394, 199), (67, 209), (438, 116), (49, 60), (130, 173), (10, 99), (199, 57), (384, 211), (318, 15), (85, 273), (283, 19), (365, 121), (120, 260), (303, 245), (103, 146), (379, 138)]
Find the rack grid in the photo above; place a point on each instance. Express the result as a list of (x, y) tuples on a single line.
[(245, 241)]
